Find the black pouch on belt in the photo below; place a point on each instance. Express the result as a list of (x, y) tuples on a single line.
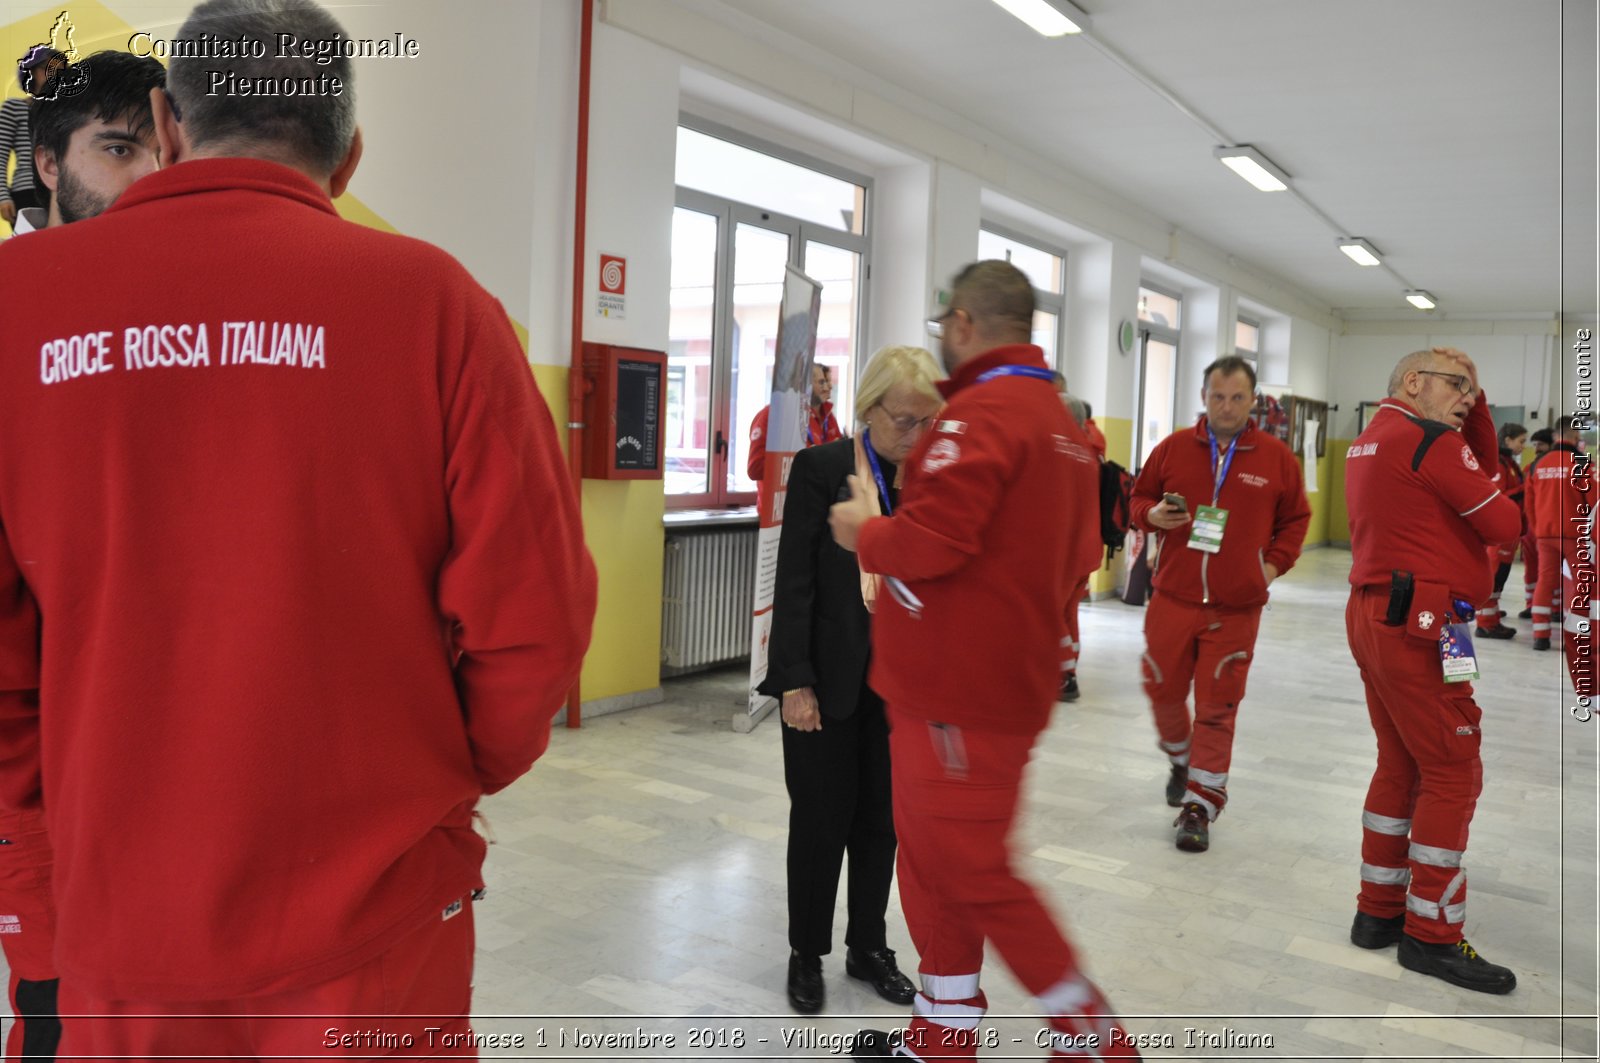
[(1401, 585)]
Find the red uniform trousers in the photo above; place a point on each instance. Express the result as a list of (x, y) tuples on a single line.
[(412, 1000), (1071, 644), (1493, 612), (955, 797), (1530, 565), (27, 934), (1211, 648), (1420, 802), (1551, 586)]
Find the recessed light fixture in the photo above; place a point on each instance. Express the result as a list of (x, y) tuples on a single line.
[(1254, 167), (1420, 299), (1361, 252), (1049, 18)]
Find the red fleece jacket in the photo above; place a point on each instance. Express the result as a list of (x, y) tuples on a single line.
[(1421, 500), (291, 573), (1265, 496), (1560, 493), (990, 519)]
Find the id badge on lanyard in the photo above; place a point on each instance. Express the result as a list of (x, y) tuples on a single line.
[(1456, 655), (1205, 534)]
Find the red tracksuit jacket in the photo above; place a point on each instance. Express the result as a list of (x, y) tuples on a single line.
[(985, 535), (1559, 500), (1425, 509), (291, 573), (1265, 496)]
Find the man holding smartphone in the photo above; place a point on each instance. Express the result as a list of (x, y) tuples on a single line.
[(1228, 504)]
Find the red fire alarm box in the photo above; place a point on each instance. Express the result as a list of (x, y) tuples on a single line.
[(624, 411)]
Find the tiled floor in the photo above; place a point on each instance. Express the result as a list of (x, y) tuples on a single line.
[(637, 880)]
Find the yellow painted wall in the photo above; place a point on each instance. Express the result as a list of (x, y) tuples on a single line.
[(622, 525), (1119, 448), (1322, 501), (1338, 516)]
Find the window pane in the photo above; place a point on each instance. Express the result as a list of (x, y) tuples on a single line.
[(1159, 385), (1246, 337), (738, 173), (1042, 268), (689, 332), (760, 257), (839, 272), (1045, 327), (1159, 309)]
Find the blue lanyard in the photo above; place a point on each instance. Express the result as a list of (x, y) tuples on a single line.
[(1227, 462), (1015, 370), (877, 472)]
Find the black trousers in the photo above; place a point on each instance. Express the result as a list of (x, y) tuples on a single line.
[(840, 801)]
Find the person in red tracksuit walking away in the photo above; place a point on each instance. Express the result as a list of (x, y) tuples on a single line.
[(1241, 493), (977, 562), (1422, 511), (1540, 441), (821, 427), (1560, 503), (1090, 552), (1509, 478)]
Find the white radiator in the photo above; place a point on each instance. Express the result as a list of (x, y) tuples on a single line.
[(708, 588)]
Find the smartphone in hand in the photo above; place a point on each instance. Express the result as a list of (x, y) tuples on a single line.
[(1176, 501)]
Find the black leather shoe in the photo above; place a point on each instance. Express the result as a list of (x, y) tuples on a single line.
[(806, 991), (1194, 828), (1526, 614), (1177, 785), (878, 967), (1372, 932), (1457, 963), (874, 1044), (1499, 631), (1541, 644), (1069, 689)]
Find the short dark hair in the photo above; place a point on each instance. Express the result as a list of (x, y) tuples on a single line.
[(315, 129), (115, 86), (998, 294), (1571, 424), (1511, 430), (1228, 365)]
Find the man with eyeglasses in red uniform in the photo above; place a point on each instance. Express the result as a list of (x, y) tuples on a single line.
[(1423, 511)]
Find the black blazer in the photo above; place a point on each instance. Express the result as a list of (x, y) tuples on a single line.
[(821, 630)]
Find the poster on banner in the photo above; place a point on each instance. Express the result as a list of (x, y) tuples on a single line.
[(1312, 428), (794, 351)]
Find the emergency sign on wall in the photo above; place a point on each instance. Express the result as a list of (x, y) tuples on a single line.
[(613, 298), (625, 405)]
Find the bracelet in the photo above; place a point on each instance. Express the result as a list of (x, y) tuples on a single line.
[(796, 690)]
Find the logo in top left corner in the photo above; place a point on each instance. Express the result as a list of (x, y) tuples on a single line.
[(50, 70)]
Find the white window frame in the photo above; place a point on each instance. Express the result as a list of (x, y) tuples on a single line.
[(1043, 299)]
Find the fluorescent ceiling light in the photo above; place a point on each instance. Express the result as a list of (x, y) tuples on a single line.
[(1363, 253), (1051, 18), (1420, 299), (1253, 166)]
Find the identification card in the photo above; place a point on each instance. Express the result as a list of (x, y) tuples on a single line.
[(1456, 653), (1206, 532)]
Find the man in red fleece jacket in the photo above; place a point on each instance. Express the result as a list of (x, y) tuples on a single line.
[(1423, 511), (978, 560), (291, 575), (1241, 493), (1560, 504)]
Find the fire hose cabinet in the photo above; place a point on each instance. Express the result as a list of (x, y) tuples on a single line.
[(624, 411)]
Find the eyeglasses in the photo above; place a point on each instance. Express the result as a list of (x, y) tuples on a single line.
[(1463, 383), (904, 422), (936, 324)]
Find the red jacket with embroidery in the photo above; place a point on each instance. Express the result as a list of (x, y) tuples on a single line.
[(1560, 492), (1421, 501), (984, 537), (291, 573), (1268, 514)]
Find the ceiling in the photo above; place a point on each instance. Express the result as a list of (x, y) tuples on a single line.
[(1458, 136)]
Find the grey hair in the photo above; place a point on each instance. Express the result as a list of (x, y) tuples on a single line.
[(1416, 360), (312, 129)]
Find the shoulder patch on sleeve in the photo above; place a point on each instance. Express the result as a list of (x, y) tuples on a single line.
[(1431, 431), (1469, 461), (943, 452), (954, 428)]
